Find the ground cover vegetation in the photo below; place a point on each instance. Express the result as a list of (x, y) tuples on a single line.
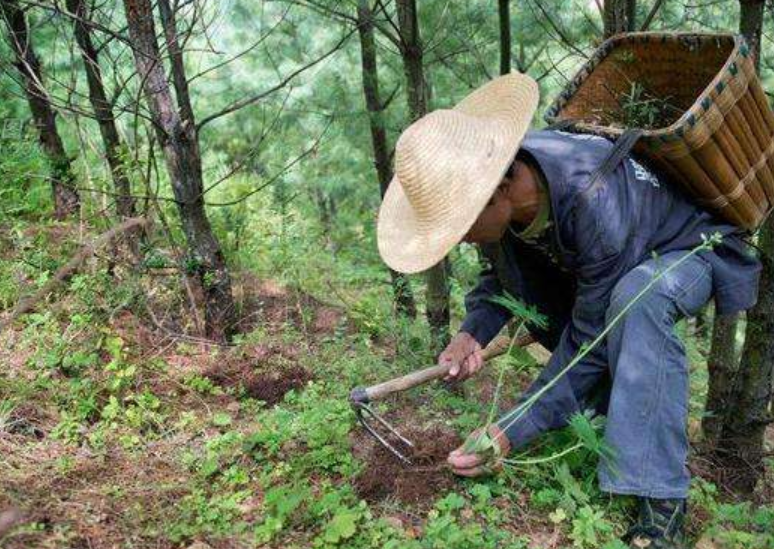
[(185, 382)]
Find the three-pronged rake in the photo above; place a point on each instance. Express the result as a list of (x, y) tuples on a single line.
[(387, 435)]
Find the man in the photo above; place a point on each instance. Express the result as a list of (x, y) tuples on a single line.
[(580, 248)]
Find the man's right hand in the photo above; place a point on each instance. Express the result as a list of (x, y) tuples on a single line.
[(463, 356)]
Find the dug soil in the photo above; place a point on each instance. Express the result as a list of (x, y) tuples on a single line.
[(385, 476), (266, 384)]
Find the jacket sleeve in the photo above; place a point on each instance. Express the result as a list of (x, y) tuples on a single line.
[(598, 244), (484, 319)]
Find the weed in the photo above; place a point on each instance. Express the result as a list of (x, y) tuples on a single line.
[(640, 109)]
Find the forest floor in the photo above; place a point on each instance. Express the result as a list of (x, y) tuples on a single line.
[(118, 431)]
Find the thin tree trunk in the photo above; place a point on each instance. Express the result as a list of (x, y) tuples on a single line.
[(701, 323), (169, 21), (403, 296), (618, 16), (66, 199), (740, 447), (411, 52), (751, 25), (504, 11), (103, 110), (721, 366), (631, 15), (179, 142)]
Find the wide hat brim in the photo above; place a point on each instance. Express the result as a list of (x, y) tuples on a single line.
[(491, 123)]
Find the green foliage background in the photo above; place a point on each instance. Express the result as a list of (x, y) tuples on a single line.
[(308, 224)]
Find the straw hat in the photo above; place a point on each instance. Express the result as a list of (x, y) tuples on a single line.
[(447, 166)]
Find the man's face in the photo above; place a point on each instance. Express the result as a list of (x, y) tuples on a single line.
[(493, 220)]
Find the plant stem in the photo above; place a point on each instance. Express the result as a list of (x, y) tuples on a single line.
[(552, 457), (499, 385), (522, 409)]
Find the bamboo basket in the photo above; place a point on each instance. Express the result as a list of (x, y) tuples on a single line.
[(714, 128)]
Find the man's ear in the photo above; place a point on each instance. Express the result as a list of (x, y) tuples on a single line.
[(504, 186)]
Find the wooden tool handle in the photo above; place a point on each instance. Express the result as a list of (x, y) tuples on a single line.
[(376, 392)]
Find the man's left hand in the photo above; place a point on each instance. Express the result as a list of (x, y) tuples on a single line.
[(474, 463)]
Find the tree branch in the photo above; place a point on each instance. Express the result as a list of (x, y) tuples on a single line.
[(26, 304), (276, 176), (255, 98), (651, 14)]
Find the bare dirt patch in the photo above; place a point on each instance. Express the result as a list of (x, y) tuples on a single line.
[(266, 303), (96, 502), (267, 384), (385, 476)]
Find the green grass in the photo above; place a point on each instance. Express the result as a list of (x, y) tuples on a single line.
[(130, 430)]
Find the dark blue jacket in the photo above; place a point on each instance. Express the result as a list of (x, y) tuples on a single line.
[(599, 235)]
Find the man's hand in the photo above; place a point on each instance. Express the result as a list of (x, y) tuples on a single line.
[(463, 356), (481, 454)]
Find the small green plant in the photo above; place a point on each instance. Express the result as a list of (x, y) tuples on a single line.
[(589, 528), (281, 503), (122, 373), (640, 109), (202, 385), (203, 514)]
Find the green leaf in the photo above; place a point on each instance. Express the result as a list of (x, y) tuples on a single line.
[(451, 502), (557, 516), (221, 419), (520, 311), (570, 485), (342, 526), (589, 434)]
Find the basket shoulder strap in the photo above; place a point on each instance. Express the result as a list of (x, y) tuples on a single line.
[(622, 147)]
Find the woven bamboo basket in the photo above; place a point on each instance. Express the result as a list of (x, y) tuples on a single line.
[(706, 121)]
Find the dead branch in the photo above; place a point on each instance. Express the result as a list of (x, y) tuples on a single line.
[(26, 304)]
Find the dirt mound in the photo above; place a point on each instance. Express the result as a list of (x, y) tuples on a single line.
[(386, 476), (266, 384), (272, 386)]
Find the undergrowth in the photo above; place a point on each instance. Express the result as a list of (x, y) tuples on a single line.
[(111, 429)]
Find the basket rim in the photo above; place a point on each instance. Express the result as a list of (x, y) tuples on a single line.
[(688, 118)]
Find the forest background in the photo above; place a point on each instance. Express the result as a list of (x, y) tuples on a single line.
[(189, 282)]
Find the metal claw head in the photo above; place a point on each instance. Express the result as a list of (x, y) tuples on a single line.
[(365, 414)]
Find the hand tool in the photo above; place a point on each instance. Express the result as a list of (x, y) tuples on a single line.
[(361, 397)]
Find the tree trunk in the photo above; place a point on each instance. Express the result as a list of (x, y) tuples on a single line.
[(619, 16), (740, 447), (411, 52), (701, 324), (169, 21), (631, 15), (179, 141), (403, 296), (103, 110), (721, 365), (504, 10), (66, 200), (751, 24)]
